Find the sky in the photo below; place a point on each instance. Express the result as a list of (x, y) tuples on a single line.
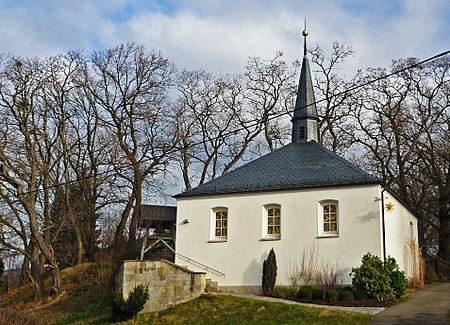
[(220, 36)]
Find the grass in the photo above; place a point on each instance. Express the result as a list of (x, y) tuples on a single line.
[(219, 309), (86, 298), (88, 292)]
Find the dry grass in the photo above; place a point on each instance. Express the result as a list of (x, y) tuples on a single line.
[(10, 316), (86, 297), (416, 265), (321, 274)]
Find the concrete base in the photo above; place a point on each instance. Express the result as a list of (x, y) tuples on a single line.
[(240, 289)]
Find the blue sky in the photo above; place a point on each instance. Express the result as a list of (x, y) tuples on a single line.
[(220, 35)]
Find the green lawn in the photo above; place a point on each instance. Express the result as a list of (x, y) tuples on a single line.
[(217, 309)]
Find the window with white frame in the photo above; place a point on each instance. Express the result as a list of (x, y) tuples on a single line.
[(271, 225), (219, 224), (328, 223)]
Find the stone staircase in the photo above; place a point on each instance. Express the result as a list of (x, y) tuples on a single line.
[(211, 286)]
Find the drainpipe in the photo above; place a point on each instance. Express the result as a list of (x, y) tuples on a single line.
[(383, 224)]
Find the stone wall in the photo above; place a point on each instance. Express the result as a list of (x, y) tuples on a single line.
[(169, 284)]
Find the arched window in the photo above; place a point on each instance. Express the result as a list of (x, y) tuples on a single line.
[(271, 222), (328, 223), (219, 224)]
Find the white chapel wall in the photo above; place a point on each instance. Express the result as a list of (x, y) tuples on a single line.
[(240, 258), (401, 227)]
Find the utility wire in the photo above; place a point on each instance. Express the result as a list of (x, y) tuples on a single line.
[(351, 89)]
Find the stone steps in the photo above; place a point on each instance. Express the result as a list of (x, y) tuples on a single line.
[(211, 286)]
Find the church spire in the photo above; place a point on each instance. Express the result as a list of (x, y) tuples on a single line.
[(305, 123)]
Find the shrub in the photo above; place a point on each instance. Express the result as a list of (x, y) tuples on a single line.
[(126, 309), (347, 295), (269, 273), (359, 294), (284, 292), (320, 274), (382, 281), (305, 293), (304, 272), (398, 280), (317, 293), (333, 295), (328, 277)]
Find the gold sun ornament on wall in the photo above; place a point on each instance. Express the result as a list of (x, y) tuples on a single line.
[(389, 207)]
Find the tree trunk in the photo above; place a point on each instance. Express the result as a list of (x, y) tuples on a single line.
[(46, 250), (119, 238), (36, 271), (132, 240), (444, 235)]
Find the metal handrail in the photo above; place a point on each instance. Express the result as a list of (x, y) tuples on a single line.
[(206, 267), (200, 263)]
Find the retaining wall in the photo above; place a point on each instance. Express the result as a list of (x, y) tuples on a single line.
[(169, 284)]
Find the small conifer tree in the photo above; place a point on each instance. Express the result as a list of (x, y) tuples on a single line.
[(269, 273), (123, 310)]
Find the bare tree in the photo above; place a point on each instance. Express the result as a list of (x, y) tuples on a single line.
[(334, 103), (57, 98), (402, 126), (270, 92), (222, 120), (130, 85), (21, 84)]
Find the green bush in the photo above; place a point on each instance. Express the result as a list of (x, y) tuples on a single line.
[(346, 295), (359, 294), (305, 293), (333, 295), (382, 281), (317, 293), (269, 273), (397, 278), (126, 309), (284, 292)]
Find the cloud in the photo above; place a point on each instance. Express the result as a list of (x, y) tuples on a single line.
[(220, 35)]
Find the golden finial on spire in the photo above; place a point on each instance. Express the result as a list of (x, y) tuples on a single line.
[(305, 33)]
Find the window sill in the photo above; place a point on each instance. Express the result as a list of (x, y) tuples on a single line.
[(270, 238), (218, 240), (324, 235)]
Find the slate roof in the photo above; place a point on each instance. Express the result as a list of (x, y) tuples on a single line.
[(295, 166), (305, 104)]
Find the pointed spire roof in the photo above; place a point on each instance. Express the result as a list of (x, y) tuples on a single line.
[(305, 107)]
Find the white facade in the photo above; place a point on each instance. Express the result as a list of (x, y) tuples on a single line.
[(237, 259), (401, 227)]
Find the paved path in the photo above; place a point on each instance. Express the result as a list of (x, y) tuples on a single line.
[(429, 306)]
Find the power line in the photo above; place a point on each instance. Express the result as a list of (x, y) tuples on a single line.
[(237, 130)]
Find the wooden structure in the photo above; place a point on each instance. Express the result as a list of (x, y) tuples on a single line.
[(159, 222)]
